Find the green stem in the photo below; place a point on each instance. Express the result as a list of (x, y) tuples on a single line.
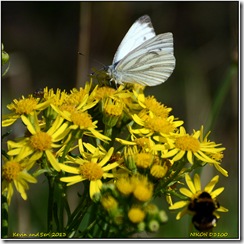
[(220, 97), (50, 204)]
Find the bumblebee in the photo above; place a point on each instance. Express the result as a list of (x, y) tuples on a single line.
[(203, 207)]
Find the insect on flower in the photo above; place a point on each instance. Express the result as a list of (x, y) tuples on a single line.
[(203, 207)]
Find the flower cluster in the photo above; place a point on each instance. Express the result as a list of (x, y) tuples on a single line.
[(125, 148)]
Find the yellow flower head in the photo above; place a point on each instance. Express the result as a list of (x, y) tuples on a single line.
[(136, 215), (41, 142), (92, 170), (23, 106), (14, 173), (193, 193), (193, 148)]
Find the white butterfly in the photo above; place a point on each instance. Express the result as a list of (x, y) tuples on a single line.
[(143, 57)]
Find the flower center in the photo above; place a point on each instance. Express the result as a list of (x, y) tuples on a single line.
[(25, 106), (144, 160), (113, 109), (187, 143), (104, 92), (109, 203), (57, 98), (143, 142), (136, 215), (124, 185), (41, 141), (83, 120), (67, 107), (76, 96), (91, 171), (159, 124), (11, 170), (158, 109), (218, 156), (158, 171), (143, 192)]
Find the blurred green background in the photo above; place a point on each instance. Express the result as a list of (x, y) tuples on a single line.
[(44, 38)]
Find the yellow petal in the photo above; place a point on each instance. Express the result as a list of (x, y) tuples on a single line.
[(209, 187), (179, 156), (186, 192), (28, 124), (197, 182), (221, 170), (189, 157), (72, 179), (124, 142), (217, 192), (52, 160), (190, 183), (177, 205), (8, 122), (95, 186), (69, 169), (107, 157)]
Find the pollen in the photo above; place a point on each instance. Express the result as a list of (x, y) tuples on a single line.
[(11, 170), (41, 141), (159, 124), (91, 171), (144, 160), (187, 143), (157, 108), (105, 91), (82, 119), (136, 215), (24, 106)]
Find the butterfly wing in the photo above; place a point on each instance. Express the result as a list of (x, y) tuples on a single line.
[(149, 64), (140, 31)]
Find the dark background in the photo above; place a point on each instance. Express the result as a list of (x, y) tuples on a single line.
[(44, 38)]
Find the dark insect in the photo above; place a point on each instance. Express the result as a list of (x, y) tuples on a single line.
[(38, 93), (204, 206)]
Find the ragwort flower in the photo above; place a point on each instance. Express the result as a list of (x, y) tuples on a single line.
[(92, 170), (40, 142), (200, 202), (15, 173), (191, 146), (23, 106)]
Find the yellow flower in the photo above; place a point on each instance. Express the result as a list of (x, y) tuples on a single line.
[(82, 121), (136, 215), (191, 146), (109, 203), (23, 106), (112, 111), (92, 170), (14, 173), (194, 192), (40, 142), (144, 160), (151, 104), (159, 171), (144, 144), (137, 185), (152, 125)]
